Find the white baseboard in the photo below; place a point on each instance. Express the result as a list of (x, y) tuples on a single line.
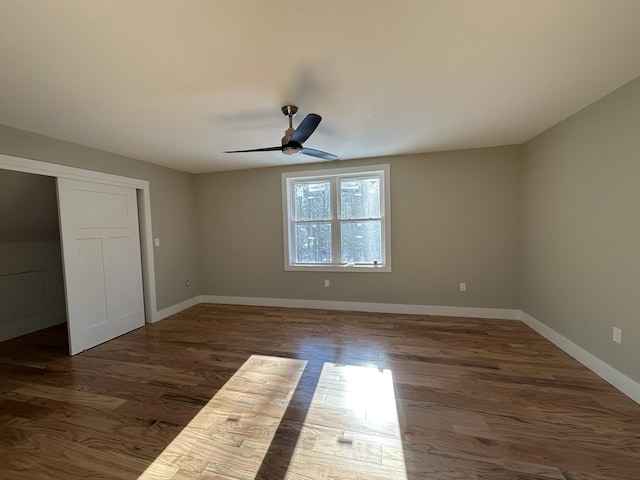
[(173, 309), (22, 326), (626, 385), (471, 312), (619, 380)]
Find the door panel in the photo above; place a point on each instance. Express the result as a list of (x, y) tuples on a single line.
[(100, 210), (122, 301), (92, 303), (101, 252)]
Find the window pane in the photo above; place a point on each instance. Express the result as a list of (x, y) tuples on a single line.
[(361, 242), (313, 243), (360, 198), (312, 201)]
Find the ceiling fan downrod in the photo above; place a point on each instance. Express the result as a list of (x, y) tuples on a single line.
[(290, 111)]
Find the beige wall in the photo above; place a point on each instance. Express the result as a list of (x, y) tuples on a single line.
[(173, 208), (28, 207), (454, 219), (580, 256)]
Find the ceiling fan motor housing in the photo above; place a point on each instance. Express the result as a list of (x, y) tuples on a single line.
[(288, 147), (291, 148)]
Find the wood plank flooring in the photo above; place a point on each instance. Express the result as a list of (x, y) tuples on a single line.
[(475, 399), (351, 426), (231, 434)]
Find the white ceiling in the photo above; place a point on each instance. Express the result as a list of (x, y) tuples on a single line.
[(177, 82)]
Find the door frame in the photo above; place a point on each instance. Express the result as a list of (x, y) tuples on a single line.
[(26, 165)]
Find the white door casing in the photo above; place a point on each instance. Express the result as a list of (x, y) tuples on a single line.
[(102, 267)]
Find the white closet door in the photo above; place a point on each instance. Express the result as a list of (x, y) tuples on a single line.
[(101, 256)]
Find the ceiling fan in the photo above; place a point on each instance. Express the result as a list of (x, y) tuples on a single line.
[(294, 138)]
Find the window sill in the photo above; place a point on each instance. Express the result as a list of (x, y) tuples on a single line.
[(338, 268)]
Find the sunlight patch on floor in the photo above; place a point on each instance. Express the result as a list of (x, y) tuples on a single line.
[(351, 429), (231, 434)]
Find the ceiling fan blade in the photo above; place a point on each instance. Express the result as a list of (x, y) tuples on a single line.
[(306, 128), (319, 153), (267, 149)]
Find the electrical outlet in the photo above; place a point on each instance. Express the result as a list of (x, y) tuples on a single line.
[(187, 283), (463, 287), (156, 242), (617, 335), (327, 283)]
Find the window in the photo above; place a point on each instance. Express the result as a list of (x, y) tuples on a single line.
[(337, 220)]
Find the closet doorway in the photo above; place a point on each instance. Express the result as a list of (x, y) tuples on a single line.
[(31, 280), (105, 238)]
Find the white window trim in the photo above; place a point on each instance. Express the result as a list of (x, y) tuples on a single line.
[(289, 177)]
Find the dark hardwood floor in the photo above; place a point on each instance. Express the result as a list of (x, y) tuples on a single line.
[(476, 399)]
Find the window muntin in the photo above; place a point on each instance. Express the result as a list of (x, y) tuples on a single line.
[(337, 219)]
